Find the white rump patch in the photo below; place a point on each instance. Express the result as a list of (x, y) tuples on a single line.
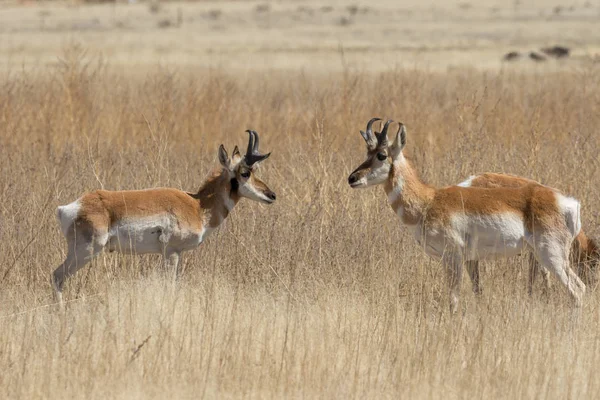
[(67, 214), (468, 182), (571, 209)]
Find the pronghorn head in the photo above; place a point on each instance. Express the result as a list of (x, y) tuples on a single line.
[(380, 155), (242, 171)]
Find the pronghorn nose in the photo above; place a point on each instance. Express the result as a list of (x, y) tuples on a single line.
[(271, 196), (352, 179)]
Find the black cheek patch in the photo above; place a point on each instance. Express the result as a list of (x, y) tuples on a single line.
[(234, 185)]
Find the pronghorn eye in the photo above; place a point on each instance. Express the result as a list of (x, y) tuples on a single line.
[(381, 156), (245, 174)]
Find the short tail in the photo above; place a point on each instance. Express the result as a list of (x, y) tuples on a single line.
[(593, 254), (572, 211), (586, 258), (67, 215)]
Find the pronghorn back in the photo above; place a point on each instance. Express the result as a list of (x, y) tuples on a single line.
[(494, 180), (584, 250), (101, 209), (542, 203)]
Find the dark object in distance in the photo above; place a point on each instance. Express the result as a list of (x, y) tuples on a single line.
[(556, 51), (536, 57), (512, 56)]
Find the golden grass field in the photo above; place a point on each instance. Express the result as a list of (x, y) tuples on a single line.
[(321, 295)]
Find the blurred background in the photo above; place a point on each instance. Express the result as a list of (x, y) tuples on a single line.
[(309, 34)]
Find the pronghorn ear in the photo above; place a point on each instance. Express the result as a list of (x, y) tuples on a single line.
[(263, 157), (365, 136), (224, 158), (236, 156), (399, 142)]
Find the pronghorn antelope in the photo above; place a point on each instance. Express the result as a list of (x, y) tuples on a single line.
[(585, 254), (163, 220), (460, 224)]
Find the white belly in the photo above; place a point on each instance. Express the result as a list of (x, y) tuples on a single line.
[(477, 238), (495, 236), (152, 235), (148, 235)]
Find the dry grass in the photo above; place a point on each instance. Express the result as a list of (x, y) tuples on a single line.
[(322, 295)]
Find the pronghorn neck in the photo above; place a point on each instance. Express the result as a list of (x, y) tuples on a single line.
[(217, 197), (408, 195)]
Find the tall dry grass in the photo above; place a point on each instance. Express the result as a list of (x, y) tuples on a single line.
[(323, 294)]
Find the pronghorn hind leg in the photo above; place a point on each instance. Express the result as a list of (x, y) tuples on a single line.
[(83, 246), (554, 256), (473, 270), (534, 269), (453, 265), (545, 277)]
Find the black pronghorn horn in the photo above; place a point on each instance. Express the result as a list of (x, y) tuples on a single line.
[(250, 142), (255, 148), (252, 155), (382, 139)]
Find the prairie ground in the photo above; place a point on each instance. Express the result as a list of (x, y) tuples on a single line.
[(321, 295), (312, 35)]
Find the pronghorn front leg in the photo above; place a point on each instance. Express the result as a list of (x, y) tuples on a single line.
[(453, 265), (171, 260), (473, 270)]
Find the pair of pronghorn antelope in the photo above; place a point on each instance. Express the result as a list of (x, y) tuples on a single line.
[(486, 216)]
